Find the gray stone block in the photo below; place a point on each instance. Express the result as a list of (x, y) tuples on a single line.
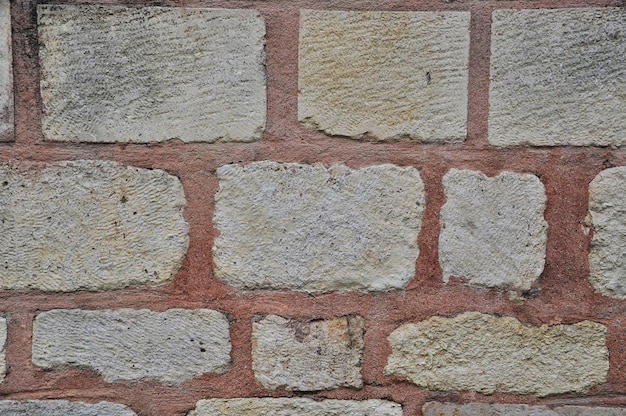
[(6, 73), (62, 408)]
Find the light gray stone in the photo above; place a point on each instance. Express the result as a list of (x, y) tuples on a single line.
[(558, 77), (294, 406), (115, 74), (492, 229), (62, 408), (316, 355), (309, 228), (387, 75), (3, 342), (607, 258), (128, 345), (6, 72), (484, 353), (92, 225), (488, 409)]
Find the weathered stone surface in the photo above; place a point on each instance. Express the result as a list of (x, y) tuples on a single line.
[(387, 75), (300, 407), (3, 341), (6, 72), (487, 409), (89, 225), (303, 227), (492, 229), (127, 344), (316, 355), (484, 353), (115, 74), (607, 258), (558, 77), (62, 408)]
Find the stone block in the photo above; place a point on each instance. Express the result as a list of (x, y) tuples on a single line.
[(62, 408), (6, 73)]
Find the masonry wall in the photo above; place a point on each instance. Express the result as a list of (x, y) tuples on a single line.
[(313, 207)]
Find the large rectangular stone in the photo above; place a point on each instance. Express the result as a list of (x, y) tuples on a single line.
[(496, 409), (116, 74), (6, 72), (130, 345), (306, 356), (385, 75), (484, 353), (309, 228), (92, 225), (558, 77), (295, 406), (62, 408)]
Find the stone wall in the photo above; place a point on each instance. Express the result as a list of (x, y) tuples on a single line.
[(250, 207)]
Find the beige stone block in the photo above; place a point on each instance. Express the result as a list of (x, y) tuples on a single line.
[(315, 355), (6, 72), (558, 77), (91, 225), (312, 228), (384, 75), (62, 408), (484, 353), (149, 74), (491, 409)]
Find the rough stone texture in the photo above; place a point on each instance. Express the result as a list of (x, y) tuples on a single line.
[(484, 353), (92, 225), (386, 75), (492, 229), (607, 258), (62, 408), (487, 409), (6, 72), (303, 227), (316, 355), (300, 407), (558, 77), (114, 74), (127, 344), (3, 341)]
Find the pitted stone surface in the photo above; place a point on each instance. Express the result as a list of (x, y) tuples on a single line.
[(309, 228), (316, 355), (300, 407), (484, 353), (92, 225), (488, 409), (607, 258), (3, 342), (386, 75), (6, 72), (115, 74), (62, 408), (128, 345), (492, 229), (558, 77)]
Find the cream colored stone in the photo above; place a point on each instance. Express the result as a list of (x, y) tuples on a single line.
[(128, 345), (295, 406), (92, 225), (492, 229), (62, 408), (558, 77), (316, 355), (387, 75), (607, 258), (309, 228), (484, 353), (116, 74), (489, 409), (6, 72)]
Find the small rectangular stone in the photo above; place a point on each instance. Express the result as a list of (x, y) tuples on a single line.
[(489, 409), (295, 406), (312, 228), (129, 345), (493, 232), (62, 408), (384, 75), (3, 344), (85, 224), (306, 356), (149, 74), (484, 353), (558, 77), (6, 73)]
